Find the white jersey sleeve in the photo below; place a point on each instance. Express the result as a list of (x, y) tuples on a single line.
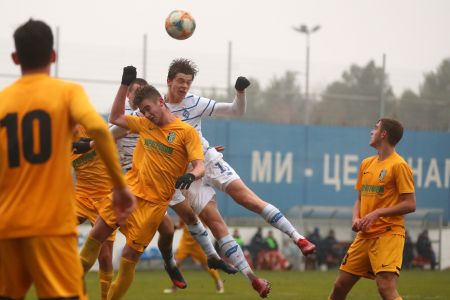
[(127, 144), (235, 108)]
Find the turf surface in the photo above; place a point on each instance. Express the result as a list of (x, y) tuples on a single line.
[(309, 285)]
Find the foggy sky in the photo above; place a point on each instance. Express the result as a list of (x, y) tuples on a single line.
[(99, 37)]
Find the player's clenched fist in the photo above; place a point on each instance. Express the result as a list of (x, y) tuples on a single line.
[(241, 83), (184, 182), (123, 204), (129, 74)]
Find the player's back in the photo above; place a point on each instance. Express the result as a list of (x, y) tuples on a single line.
[(36, 189)]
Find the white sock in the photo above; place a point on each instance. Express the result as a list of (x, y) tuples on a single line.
[(275, 218), (200, 234), (233, 252)]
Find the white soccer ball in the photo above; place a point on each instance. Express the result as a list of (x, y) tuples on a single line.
[(180, 24)]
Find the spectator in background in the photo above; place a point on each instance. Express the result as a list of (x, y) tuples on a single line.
[(271, 242), (316, 239), (424, 248), (237, 238), (272, 258), (257, 243), (408, 252), (330, 251)]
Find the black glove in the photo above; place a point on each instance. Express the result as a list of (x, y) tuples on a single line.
[(129, 74), (241, 83), (184, 182), (81, 146)]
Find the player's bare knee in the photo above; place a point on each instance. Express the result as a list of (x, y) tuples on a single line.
[(104, 260), (386, 289), (340, 289)]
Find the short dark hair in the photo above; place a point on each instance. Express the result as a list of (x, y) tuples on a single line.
[(393, 128), (139, 81), (182, 65), (146, 92), (34, 43)]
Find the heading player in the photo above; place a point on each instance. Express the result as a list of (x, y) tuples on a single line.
[(38, 237), (218, 173), (167, 146)]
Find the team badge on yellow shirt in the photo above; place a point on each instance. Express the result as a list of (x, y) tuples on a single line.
[(171, 137), (383, 174)]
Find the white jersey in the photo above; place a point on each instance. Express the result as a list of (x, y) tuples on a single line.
[(193, 108), (127, 144)]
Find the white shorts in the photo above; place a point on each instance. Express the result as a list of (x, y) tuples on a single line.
[(198, 196), (177, 197), (219, 174)]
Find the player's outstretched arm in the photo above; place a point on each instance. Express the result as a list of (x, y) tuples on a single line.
[(117, 116), (238, 106)]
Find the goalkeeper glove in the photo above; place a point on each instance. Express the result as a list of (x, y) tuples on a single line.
[(81, 146), (241, 83), (184, 182), (128, 75)]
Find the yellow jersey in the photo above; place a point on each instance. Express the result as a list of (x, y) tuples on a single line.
[(92, 179), (167, 151), (380, 184), (37, 116)]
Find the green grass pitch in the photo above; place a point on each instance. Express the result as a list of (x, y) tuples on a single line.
[(311, 285)]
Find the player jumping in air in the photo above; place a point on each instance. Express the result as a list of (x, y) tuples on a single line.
[(218, 173)]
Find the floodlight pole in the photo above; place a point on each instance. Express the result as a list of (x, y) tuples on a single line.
[(144, 57), (307, 31), (57, 51)]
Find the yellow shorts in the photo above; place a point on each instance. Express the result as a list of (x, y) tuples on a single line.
[(194, 251), (88, 208), (50, 262), (368, 257), (140, 226)]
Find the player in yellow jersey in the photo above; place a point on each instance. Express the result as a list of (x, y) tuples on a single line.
[(188, 247), (168, 146), (130, 148), (38, 237), (385, 194), (92, 189)]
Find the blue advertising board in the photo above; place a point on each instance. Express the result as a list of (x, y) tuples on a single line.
[(290, 165)]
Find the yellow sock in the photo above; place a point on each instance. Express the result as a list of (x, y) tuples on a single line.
[(214, 274), (89, 253), (124, 279), (398, 298), (105, 279)]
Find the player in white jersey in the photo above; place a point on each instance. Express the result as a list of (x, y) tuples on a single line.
[(202, 202), (127, 141), (218, 173)]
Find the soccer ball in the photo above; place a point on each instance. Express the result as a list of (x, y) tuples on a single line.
[(180, 24)]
